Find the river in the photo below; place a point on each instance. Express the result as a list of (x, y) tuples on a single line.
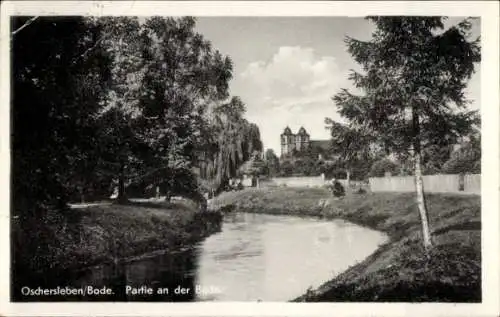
[(255, 257)]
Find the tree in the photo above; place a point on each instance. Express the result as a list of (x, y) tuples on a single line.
[(350, 144), (433, 158), (164, 78), (286, 168), (412, 88), (119, 111), (255, 166), (272, 162), (236, 140), (184, 76), (305, 165), (56, 91)]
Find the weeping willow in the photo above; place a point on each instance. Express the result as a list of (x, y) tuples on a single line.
[(234, 139)]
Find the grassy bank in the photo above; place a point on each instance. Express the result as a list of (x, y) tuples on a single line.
[(398, 270), (112, 233)]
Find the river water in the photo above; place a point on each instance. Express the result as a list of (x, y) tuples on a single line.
[(255, 257), (277, 258)]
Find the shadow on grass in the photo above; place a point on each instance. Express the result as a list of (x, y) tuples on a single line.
[(152, 204), (403, 291), (471, 225)]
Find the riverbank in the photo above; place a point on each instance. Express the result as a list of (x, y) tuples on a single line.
[(399, 269), (112, 233)]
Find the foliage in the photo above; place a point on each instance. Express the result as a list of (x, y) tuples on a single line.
[(306, 166), (381, 167), (434, 156), (232, 143), (412, 88), (409, 72), (466, 159), (349, 144), (255, 166), (272, 162), (286, 168), (56, 91)]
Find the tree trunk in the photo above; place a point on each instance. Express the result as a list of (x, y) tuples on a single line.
[(419, 183), (82, 195), (348, 179), (168, 196), (122, 197), (422, 208)]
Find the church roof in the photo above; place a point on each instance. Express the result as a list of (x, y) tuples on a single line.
[(302, 131), (287, 131)]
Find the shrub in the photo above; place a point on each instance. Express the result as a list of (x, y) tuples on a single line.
[(379, 168), (337, 189)]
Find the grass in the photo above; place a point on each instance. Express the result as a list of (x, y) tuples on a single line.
[(400, 270)]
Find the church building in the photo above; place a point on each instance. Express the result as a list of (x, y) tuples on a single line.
[(290, 141), (301, 141)]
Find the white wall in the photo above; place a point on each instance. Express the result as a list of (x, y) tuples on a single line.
[(443, 183), (294, 181)]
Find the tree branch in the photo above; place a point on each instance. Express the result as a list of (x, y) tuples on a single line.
[(89, 49), (24, 25)]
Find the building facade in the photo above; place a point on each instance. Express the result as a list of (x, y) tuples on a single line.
[(290, 141)]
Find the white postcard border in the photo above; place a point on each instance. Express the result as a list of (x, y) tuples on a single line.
[(487, 10)]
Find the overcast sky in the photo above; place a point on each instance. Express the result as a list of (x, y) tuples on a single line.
[(287, 69)]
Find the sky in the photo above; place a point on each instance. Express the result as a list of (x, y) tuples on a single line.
[(286, 69)]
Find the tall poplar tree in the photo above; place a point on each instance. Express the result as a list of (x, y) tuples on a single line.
[(413, 81)]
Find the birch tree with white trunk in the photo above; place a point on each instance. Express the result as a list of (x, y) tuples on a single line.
[(411, 89)]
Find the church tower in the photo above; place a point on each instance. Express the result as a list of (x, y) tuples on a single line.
[(290, 142), (287, 142), (302, 140)]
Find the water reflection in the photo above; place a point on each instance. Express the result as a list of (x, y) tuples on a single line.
[(150, 279)]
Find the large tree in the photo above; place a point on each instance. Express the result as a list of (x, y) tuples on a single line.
[(414, 73), (164, 78), (184, 78), (118, 113), (57, 89)]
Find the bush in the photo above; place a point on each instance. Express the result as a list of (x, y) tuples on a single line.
[(379, 168), (286, 168), (337, 189)]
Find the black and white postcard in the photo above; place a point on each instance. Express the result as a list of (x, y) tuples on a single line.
[(249, 158)]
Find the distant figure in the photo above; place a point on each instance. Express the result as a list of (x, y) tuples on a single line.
[(239, 186), (337, 188), (254, 181)]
